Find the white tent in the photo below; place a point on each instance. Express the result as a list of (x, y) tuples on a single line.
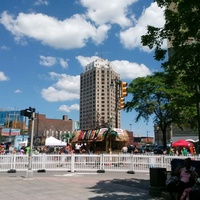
[(51, 141)]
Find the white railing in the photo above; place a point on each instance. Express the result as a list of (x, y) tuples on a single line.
[(84, 162)]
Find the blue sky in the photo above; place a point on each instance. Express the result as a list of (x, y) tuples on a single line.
[(45, 45)]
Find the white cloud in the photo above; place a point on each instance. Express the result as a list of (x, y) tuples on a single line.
[(66, 34), (114, 12), (68, 109), (129, 70), (86, 60), (18, 91), (50, 31), (63, 63), (131, 38), (47, 60), (5, 48), (41, 2), (3, 77), (51, 61), (126, 69), (66, 88)]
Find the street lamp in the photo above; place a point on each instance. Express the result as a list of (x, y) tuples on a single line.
[(120, 93), (30, 113), (116, 85)]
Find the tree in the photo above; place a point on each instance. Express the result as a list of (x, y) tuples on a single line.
[(109, 135), (182, 30), (162, 97), (67, 136)]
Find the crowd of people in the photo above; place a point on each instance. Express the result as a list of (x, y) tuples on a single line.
[(129, 149), (185, 151)]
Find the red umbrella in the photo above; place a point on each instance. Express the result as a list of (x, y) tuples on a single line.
[(182, 143)]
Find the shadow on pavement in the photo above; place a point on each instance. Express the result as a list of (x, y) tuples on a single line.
[(121, 189)]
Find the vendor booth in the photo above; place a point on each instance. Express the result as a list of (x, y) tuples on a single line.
[(51, 141), (182, 143), (95, 141)]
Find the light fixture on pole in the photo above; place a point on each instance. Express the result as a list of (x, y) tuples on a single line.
[(115, 84), (30, 113), (120, 93)]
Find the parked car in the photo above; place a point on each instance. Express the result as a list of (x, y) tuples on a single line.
[(160, 149), (149, 147)]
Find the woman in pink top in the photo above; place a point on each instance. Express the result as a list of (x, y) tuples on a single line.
[(186, 177)]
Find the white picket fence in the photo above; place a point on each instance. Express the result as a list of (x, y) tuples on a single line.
[(84, 162)]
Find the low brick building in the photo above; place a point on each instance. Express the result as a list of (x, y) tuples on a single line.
[(46, 127)]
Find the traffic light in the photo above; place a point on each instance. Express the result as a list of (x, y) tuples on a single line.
[(121, 103), (27, 112), (123, 89)]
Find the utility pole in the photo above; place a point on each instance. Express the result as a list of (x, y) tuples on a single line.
[(30, 113), (120, 93)]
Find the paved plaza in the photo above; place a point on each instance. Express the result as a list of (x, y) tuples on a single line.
[(70, 186)]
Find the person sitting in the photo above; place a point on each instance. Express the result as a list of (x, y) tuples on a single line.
[(185, 179), (193, 192)]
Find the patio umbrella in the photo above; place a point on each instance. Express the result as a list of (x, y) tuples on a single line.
[(182, 143)]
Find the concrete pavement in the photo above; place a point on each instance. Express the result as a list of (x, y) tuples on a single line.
[(71, 186)]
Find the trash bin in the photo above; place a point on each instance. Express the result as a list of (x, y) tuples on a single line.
[(158, 176)]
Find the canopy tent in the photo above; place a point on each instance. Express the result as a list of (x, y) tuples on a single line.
[(51, 141), (182, 143), (191, 140)]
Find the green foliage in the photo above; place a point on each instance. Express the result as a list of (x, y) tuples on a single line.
[(68, 136), (162, 96), (109, 135), (182, 30)]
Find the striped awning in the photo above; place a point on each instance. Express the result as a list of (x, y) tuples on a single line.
[(96, 135)]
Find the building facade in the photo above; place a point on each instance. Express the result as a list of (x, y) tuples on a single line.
[(12, 124), (11, 119), (46, 127), (98, 100), (174, 133)]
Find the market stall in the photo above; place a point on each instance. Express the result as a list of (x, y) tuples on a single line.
[(51, 141), (95, 141)]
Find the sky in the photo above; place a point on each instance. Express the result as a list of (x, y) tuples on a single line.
[(45, 45)]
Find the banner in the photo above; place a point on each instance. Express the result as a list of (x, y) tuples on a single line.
[(10, 132)]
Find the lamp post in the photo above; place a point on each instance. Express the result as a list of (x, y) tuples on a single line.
[(31, 141), (29, 173), (30, 113), (120, 93), (117, 96)]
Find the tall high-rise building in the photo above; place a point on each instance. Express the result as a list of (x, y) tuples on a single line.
[(98, 99)]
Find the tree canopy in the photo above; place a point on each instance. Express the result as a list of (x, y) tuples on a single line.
[(164, 97), (182, 31)]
